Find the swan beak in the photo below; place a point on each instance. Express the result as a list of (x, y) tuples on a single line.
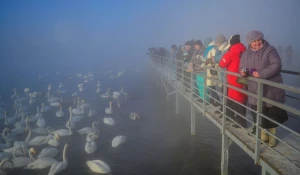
[(33, 151), (57, 137)]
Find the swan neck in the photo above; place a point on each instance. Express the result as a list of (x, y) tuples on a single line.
[(65, 154), (14, 153), (31, 156), (2, 163), (28, 136)]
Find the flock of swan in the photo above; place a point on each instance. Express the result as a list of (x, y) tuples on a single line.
[(23, 123)]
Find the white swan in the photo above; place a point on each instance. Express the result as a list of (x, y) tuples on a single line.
[(64, 132), (20, 162), (9, 120), (98, 90), (48, 152), (46, 130), (87, 130), (41, 163), (41, 122), (59, 166), (60, 113), (109, 110), (60, 85), (8, 143), (98, 166), (2, 172), (116, 94), (78, 111), (45, 108), (54, 140), (134, 116), (92, 113), (70, 122), (90, 147), (92, 136), (118, 103), (109, 121), (118, 140), (49, 87), (38, 114)]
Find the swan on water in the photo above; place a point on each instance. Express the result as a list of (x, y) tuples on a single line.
[(26, 90), (2, 172), (49, 87), (41, 163), (20, 162), (92, 112), (60, 85), (109, 110), (118, 140), (48, 152), (45, 108), (46, 130), (134, 116), (98, 166), (60, 113), (70, 121), (118, 103), (64, 132), (90, 147), (87, 130), (54, 140), (109, 121), (41, 122), (14, 94), (98, 85), (59, 166), (36, 141), (9, 120), (92, 136), (8, 142), (80, 87), (38, 114), (116, 94), (98, 90)]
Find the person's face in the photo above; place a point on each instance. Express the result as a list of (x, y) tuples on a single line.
[(256, 45), (187, 48), (218, 44), (197, 47)]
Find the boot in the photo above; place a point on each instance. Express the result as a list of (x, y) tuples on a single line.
[(264, 136), (272, 139)]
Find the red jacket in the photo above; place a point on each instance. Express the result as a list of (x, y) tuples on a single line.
[(231, 61)]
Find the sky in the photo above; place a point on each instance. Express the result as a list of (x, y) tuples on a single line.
[(97, 34)]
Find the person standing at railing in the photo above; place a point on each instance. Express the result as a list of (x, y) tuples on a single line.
[(196, 66), (231, 61), (187, 57), (263, 61)]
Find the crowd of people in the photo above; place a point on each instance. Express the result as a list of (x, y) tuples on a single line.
[(257, 58)]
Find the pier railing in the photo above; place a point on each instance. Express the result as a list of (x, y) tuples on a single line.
[(281, 159)]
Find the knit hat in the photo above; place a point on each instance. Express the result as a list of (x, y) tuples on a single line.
[(220, 39), (254, 35), (188, 43), (173, 46), (207, 41), (198, 42), (234, 39)]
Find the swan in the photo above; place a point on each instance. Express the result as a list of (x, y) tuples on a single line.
[(15, 94), (48, 152), (41, 122), (46, 130), (118, 103), (49, 87), (134, 116), (20, 162), (60, 85), (36, 141), (116, 95), (80, 87), (118, 140), (92, 112), (38, 114), (78, 111), (54, 140), (90, 147), (60, 113), (20, 126), (92, 136), (4, 155), (98, 166), (70, 121), (77, 118), (2, 172), (54, 104), (59, 166), (98, 90), (109, 121), (87, 130), (8, 143), (31, 98), (9, 120), (98, 85), (64, 132), (45, 108), (109, 110), (41, 163)]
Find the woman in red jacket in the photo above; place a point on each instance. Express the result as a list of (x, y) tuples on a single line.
[(231, 61)]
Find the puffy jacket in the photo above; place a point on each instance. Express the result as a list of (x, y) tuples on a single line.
[(231, 61), (268, 64)]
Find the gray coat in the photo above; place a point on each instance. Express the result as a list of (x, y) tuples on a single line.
[(268, 64)]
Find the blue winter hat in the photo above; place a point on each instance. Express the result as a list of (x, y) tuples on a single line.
[(207, 41), (253, 36)]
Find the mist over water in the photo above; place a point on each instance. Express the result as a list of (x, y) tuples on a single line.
[(40, 38)]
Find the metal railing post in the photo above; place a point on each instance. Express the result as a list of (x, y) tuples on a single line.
[(258, 122), (193, 119), (225, 139), (204, 91), (177, 102)]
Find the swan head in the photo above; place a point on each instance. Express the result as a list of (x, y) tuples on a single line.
[(43, 105), (57, 137), (32, 150), (70, 108)]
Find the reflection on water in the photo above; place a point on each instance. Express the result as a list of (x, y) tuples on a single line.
[(159, 143)]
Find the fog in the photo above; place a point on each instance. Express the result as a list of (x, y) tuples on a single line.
[(53, 35)]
